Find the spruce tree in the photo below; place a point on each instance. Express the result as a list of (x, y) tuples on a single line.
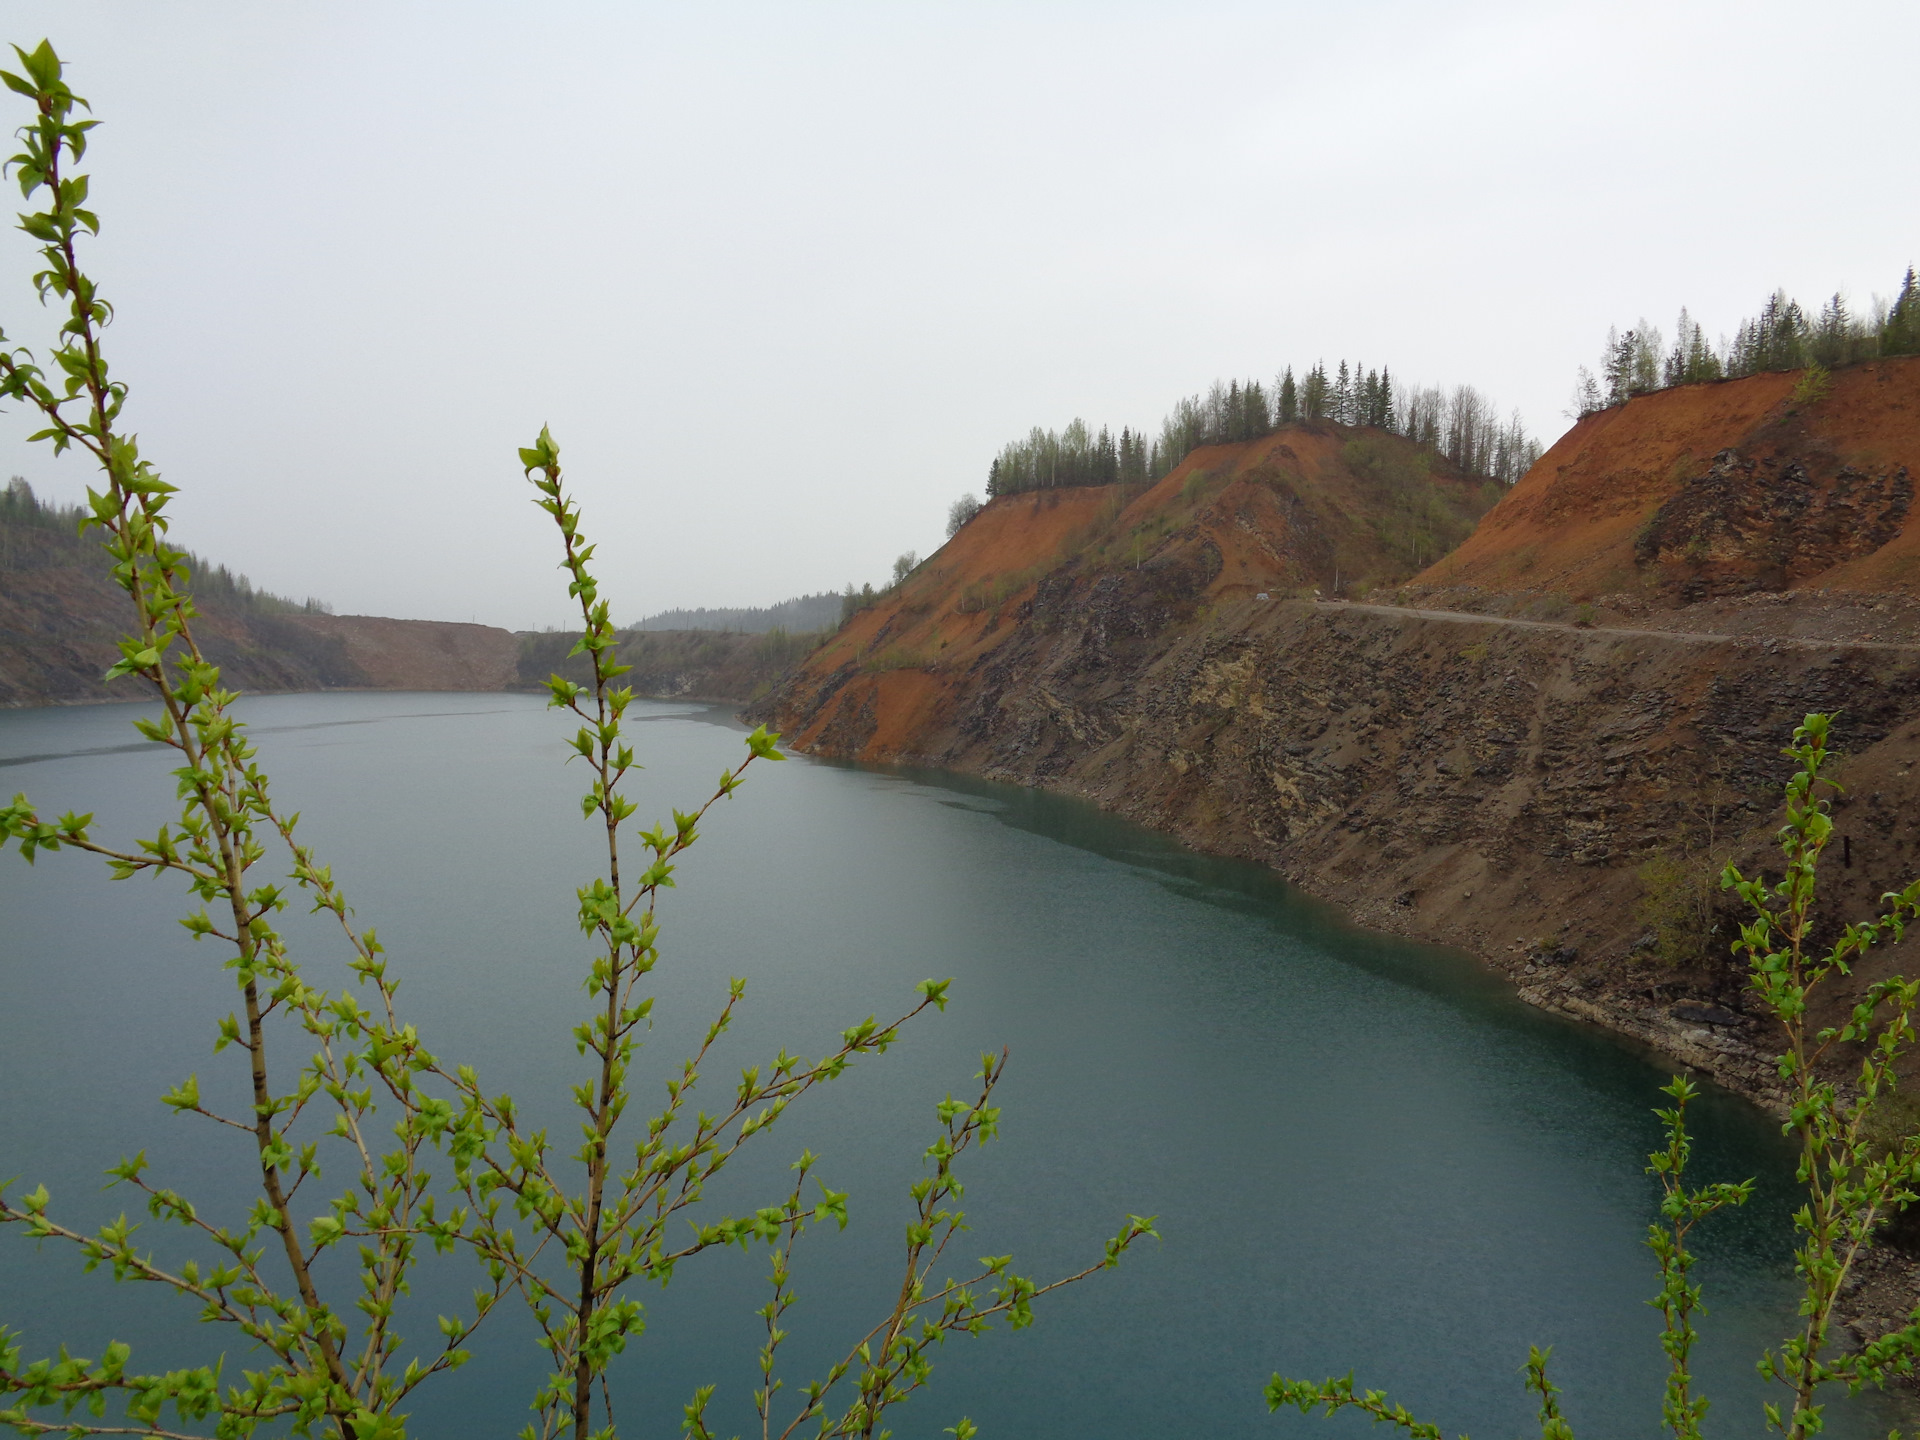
[(1779, 335), (1259, 417), (1831, 343), (1901, 333), (1290, 396), (1617, 365), (1313, 398)]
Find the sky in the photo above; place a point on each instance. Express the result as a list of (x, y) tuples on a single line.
[(784, 278)]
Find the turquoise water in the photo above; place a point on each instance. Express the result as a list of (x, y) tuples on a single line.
[(1363, 1153)]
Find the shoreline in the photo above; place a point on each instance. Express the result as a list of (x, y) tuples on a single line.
[(1883, 1289)]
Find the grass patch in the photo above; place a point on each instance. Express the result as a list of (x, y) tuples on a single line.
[(894, 657)]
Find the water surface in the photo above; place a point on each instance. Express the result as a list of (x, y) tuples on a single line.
[(1363, 1153)]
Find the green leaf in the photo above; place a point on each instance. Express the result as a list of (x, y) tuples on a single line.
[(186, 1097), (762, 744)]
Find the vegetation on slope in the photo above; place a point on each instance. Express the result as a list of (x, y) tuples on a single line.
[(1461, 426), (1783, 336), (1311, 506), (37, 536), (695, 663), (801, 613), (61, 614), (1779, 481)]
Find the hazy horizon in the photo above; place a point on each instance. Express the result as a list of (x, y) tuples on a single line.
[(783, 280)]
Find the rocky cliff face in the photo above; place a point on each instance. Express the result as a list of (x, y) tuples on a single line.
[(1745, 486), (1499, 780)]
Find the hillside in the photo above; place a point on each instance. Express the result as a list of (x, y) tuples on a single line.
[(1715, 490), (61, 615), (1491, 765), (1306, 508), (697, 664), (802, 614)]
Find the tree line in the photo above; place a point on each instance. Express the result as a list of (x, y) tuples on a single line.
[(1784, 335), (23, 511), (801, 613), (1461, 424)]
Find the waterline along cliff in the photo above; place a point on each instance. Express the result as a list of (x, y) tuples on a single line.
[(1541, 745)]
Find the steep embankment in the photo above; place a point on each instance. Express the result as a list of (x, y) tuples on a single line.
[(1481, 779), (1113, 569), (61, 616), (1764, 484)]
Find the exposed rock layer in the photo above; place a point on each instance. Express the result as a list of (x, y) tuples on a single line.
[(1490, 780)]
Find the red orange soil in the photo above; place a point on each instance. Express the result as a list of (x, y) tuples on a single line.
[(1606, 510), (1303, 508)]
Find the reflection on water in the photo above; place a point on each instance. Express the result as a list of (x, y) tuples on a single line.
[(1364, 1153)]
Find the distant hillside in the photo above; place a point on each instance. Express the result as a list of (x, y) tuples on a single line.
[(1781, 481), (802, 613), (61, 614), (690, 664)]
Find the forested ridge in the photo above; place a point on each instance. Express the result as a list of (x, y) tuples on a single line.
[(1784, 335), (1460, 424), (35, 535), (801, 613)]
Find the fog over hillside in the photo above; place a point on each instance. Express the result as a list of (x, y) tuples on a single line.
[(803, 612)]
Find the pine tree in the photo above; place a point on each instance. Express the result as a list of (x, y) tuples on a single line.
[(1290, 396), (1692, 359), (1379, 404), (1340, 403), (1259, 417), (1832, 341), (1617, 365), (1314, 395), (1901, 334), (1778, 337)]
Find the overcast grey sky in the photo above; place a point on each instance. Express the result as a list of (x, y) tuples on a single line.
[(783, 278)]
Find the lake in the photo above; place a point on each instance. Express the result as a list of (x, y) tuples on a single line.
[(1364, 1153)]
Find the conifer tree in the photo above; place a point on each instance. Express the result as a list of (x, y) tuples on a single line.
[(1259, 417), (1315, 393), (1617, 365), (1775, 339), (1832, 341), (1290, 395), (1901, 333)]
